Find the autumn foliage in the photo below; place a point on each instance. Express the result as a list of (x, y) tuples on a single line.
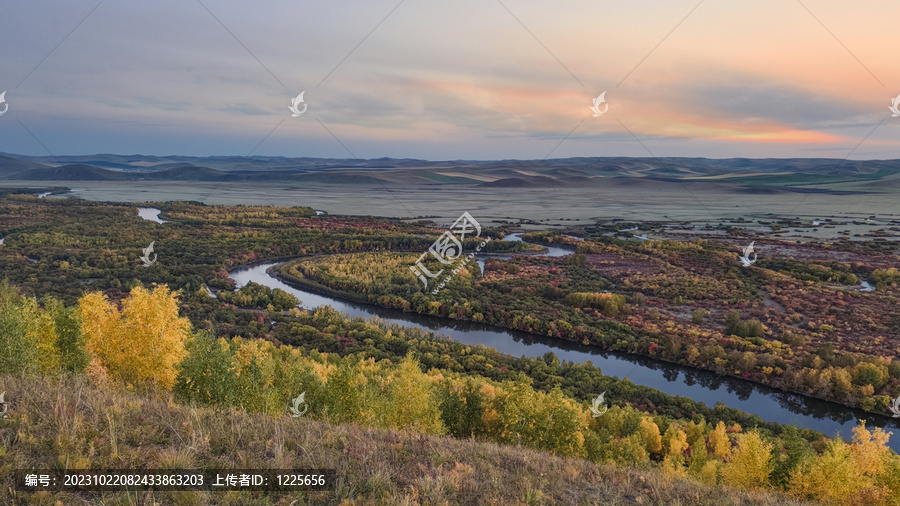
[(38, 337), (142, 342), (147, 341)]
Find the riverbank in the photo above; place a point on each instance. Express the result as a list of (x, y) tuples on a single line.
[(679, 384), (278, 272)]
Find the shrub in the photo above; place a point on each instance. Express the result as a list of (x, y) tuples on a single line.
[(749, 328), (699, 315), (610, 304)]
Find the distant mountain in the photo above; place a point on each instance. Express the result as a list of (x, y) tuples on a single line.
[(190, 173), (527, 182), (508, 182), (72, 173), (340, 179), (747, 174), (10, 166), (588, 165)]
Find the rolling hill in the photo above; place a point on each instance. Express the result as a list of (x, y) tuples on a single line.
[(739, 174)]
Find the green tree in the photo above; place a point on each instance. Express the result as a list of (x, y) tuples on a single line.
[(870, 374), (208, 374), (28, 335), (18, 344), (462, 405), (255, 375), (792, 450), (70, 342), (344, 395), (699, 315)]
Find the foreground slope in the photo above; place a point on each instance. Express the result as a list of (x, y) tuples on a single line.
[(73, 423)]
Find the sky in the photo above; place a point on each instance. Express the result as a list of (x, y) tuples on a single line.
[(508, 79)]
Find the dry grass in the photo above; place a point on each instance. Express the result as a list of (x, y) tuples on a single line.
[(70, 422)]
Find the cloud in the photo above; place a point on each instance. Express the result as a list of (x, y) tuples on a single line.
[(245, 109), (776, 102), (462, 79)]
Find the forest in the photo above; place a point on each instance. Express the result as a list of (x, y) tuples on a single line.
[(792, 325), (147, 346), (76, 300)]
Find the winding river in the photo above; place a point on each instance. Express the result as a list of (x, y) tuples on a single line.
[(704, 386)]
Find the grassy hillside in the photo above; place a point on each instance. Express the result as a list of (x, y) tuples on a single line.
[(72, 422), (11, 166)]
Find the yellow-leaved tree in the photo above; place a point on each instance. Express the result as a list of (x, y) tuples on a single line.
[(863, 472), (142, 342), (751, 464), (870, 450), (675, 445), (649, 432), (413, 404), (830, 477), (717, 442)]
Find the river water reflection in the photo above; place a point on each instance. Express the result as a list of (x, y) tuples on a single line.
[(703, 386), (151, 214)]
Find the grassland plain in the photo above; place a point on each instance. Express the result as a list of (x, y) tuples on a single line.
[(70, 422), (627, 199)]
